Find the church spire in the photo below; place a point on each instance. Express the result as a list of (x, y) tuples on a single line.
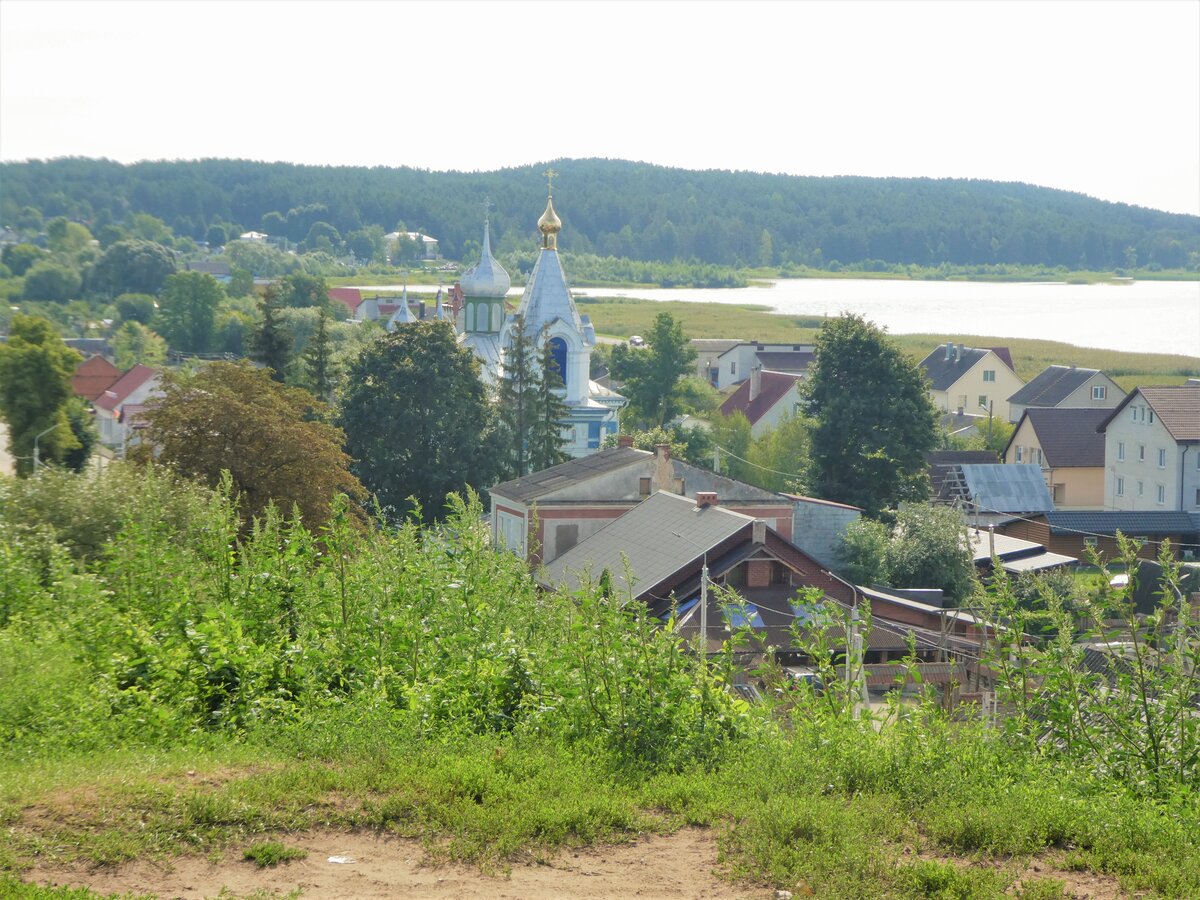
[(550, 224)]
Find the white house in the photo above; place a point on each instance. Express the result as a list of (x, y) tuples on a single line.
[(127, 394), (1066, 387), (1152, 450), (970, 379)]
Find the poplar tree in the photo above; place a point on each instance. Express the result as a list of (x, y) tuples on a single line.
[(545, 432)]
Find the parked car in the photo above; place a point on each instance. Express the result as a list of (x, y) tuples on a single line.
[(636, 340)]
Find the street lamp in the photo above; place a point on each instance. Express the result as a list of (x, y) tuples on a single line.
[(37, 438), (703, 592)]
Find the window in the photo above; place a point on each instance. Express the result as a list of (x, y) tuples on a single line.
[(1162, 458), (1141, 488), (644, 487), (594, 435), (983, 400), (1141, 452), (1198, 496), (1099, 392), (1058, 493), (1162, 494), (1020, 454), (1133, 409), (733, 368), (989, 374), (1151, 417), (1089, 542), (1120, 451), (1120, 486), (1038, 452), (565, 537)]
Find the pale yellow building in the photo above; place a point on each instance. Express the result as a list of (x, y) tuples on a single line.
[(971, 379), (1067, 446)]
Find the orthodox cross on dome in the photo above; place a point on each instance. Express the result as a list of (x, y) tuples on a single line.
[(550, 176), (549, 224), (487, 207)]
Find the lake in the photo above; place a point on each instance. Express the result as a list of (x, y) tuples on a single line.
[(1143, 316)]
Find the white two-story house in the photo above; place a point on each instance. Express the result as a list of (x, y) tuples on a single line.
[(1152, 450), (976, 380)]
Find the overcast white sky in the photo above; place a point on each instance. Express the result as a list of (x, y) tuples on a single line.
[(1097, 97)]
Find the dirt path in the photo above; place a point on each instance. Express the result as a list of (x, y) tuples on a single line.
[(677, 866)]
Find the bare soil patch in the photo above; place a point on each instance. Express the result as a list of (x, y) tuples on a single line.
[(681, 865)]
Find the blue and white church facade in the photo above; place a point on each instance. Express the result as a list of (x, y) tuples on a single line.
[(549, 316)]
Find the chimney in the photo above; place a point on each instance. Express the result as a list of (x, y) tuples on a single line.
[(706, 498), (662, 477), (625, 440), (755, 383), (949, 351), (759, 532), (958, 351)]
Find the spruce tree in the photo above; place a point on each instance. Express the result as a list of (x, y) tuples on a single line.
[(515, 401), (545, 428), (272, 346), (318, 359)]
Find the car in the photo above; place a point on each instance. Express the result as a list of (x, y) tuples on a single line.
[(636, 340)]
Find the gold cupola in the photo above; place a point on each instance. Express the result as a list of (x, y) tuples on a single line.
[(549, 225)]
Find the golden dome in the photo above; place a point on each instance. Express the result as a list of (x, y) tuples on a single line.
[(549, 225)]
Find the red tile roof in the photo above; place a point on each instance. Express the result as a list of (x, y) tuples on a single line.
[(124, 386), (93, 377), (350, 297), (774, 386)]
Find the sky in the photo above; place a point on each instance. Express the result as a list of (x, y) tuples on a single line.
[(1102, 98)]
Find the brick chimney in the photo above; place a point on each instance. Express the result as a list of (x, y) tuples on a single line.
[(759, 532), (706, 498), (755, 383), (625, 440), (662, 478)]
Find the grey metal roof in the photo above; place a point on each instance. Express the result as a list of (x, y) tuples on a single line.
[(942, 372), (1068, 436), (1052, 386), (1132, 523), (487, 278), (573, 471), (547, 297), (1001, 488), (645, 537), (794, 361), (940, 462)]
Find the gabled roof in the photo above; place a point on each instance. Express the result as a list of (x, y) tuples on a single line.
[(1005, 356), (942, 372), (774, 385), (573, 471), (1177, 407), (1131, 523), (1052, 386), (124, 386), (1068, 436), (795, 361), (93, 377), (645, 537), (940, 462), (351, 297), (1008, 489), (714, 345)]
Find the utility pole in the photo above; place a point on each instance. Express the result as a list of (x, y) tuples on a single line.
[(38, 437)]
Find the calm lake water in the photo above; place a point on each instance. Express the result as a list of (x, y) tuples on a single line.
[(1144, 316)]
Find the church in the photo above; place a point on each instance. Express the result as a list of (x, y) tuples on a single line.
[(550, 316)]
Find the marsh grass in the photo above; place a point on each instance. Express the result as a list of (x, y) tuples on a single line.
[(622, 317)]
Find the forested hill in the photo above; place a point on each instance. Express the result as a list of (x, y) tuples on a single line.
[(618, 208)]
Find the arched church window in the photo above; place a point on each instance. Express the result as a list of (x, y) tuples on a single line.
[(558, 352)]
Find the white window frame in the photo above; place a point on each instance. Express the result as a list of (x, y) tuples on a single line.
[(989, 374), (1162, 458), (1020, 453), (1120, 486), (983, 400), (1141, 452), (1161, 499), (1099, 392), (1121, 451), (1141, 488)]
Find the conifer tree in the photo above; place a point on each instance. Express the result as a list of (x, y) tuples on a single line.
[(516, 389), (318, 359), (272, 345), (545, 428)]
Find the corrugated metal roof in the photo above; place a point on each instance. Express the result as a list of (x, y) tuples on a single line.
[(1001, 488), (1131, 523)]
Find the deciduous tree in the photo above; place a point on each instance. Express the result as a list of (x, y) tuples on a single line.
[(135, 343), (188, 310), (52, 280), (35, 385), (650, 377), (874, 422), (270, 438), (418, 421), (132, 267)]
